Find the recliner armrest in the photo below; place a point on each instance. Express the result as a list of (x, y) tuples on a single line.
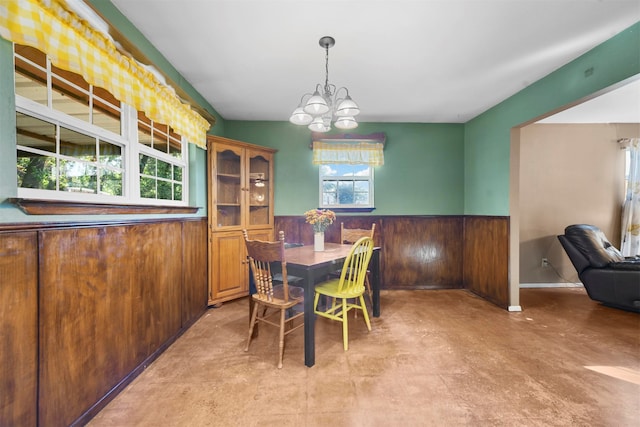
[(632, 264)]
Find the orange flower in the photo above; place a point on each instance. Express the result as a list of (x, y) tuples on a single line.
[(320, 219)]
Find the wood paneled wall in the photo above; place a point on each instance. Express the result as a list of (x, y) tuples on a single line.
[(486, 257), (107, 299), (86, 306), (429, 252), (18, 328)]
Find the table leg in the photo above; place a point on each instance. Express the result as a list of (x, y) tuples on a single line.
[(375, 282), (309, 320)]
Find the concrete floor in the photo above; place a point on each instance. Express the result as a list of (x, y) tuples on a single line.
[(434, 358)]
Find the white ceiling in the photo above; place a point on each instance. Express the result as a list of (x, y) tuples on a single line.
[(403, 61)]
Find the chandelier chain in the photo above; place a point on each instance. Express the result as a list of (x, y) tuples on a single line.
[(326, 69)]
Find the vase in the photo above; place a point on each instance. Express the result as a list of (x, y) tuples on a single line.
[(318, 241)]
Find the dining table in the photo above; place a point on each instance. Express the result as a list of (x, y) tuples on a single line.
[(314, 266)]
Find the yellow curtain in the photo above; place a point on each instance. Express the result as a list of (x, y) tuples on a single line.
[(74, 46), (369, 153)]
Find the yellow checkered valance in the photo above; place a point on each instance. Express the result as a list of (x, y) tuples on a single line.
[(73, 45), (369, 153)]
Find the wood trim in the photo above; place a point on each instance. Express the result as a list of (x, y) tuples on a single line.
[(60, 207), (376, 137), (215, 139), (35, 226)]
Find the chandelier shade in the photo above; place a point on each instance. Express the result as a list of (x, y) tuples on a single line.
[(325, 105), (346, 122), (316, 105), (318, 125), (347, 108), (299, 117)]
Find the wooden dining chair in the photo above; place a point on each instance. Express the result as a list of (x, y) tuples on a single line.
[(348, 289), (350, 236), (269, 299)]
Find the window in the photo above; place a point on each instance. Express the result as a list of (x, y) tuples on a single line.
[(346, 186), (55, 157), (346, 169), (75, 141), (161, 175)]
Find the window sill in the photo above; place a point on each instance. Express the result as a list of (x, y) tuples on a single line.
[(351, 210), (58, 207)]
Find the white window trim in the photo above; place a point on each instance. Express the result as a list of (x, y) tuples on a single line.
[(370, 180), (131, 150)]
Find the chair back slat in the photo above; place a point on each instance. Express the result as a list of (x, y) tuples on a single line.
[(355, 265), (261, 254), (351, 235)]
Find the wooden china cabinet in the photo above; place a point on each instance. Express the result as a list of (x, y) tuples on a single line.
[(240, 187)]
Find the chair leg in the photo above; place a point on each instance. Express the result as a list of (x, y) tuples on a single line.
[(252, 324), (365, 312), (367, 285), (281, 344), (345, 325)]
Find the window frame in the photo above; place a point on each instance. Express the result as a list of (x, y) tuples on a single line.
[(127, 140), (323, 177)]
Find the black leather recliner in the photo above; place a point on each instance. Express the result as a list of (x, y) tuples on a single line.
[(608, 277)]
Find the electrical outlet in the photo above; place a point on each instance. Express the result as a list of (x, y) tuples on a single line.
[(544, 263)]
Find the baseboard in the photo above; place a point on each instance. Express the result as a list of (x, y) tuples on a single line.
[(551, 285)]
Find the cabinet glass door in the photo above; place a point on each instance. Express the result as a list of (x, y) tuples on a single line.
[(259, 189), (228, 188)]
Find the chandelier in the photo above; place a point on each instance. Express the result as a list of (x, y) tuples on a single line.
[(319, 109)]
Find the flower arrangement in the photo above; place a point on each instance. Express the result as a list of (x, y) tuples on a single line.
[(320, 219)]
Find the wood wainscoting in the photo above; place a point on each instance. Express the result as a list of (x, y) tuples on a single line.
[(486, 258), (429, 252), (18, 328), (86, 306)]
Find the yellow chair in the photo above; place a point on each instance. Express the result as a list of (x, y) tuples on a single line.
[(281, 298), (350, 286), (350, 236)]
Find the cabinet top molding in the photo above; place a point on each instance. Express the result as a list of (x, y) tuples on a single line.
[(212, 139)]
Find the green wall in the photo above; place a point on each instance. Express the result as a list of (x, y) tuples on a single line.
[(423, 171), (8, 155), (487, 137)]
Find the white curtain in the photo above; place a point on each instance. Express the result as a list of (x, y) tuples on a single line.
[(631, 210)]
